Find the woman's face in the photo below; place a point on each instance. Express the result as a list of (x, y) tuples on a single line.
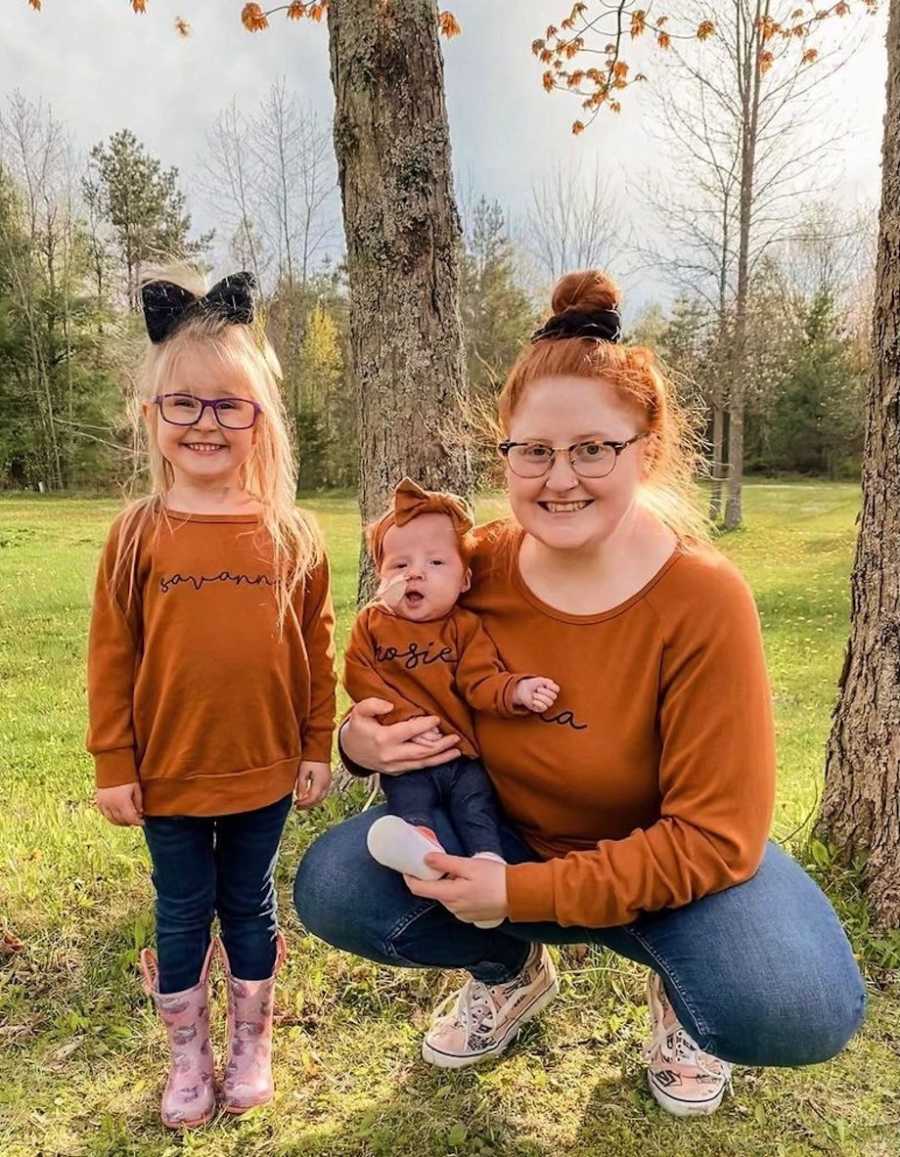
[(562, 509)]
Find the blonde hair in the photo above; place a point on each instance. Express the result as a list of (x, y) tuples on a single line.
[(270, 472), (673, 449)]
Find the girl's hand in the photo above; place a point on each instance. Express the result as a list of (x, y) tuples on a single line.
[(396, 747), (313, 782), (536, 694), (123, 805), (472, 889)]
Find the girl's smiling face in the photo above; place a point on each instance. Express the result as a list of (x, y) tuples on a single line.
[(205, 452), (422, 562), (562, 509)]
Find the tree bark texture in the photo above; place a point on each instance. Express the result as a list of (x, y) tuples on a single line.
[(861, 808), (718, 462), (403, 243)]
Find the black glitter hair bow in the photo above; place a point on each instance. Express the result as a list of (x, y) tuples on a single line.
[(601, 324), (167, 305)]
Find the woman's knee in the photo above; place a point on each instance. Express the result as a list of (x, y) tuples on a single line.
[(806, 1027), (795, 1015), (777, 983)]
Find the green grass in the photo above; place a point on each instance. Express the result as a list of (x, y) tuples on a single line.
[(80, 1052)]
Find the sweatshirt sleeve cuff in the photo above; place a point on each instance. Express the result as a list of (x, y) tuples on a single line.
[(354, 768), (510, 708), (115, 768), (529, 893), (316, 746)]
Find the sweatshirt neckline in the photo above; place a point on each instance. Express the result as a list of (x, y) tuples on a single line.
[(601, 616), (387, 613), (186, 516)]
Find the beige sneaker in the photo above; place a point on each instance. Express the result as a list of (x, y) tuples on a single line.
[(485, 1019), (683, 1079)]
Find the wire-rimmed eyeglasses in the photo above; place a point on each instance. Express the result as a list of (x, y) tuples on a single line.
[(589, 459)]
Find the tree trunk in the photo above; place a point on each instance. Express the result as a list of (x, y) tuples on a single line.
[(861, 808), (403, 237), (718, 458), (750, 83)]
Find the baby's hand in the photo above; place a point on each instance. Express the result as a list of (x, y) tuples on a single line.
[(122, 806), (537, 694), (313, 782), (435, 735), (391, 591)]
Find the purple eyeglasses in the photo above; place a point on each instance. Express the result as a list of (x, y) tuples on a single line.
[(186, 410)]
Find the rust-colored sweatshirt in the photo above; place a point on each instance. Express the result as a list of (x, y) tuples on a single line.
[(192, 692), (650, 782), (445, 667)]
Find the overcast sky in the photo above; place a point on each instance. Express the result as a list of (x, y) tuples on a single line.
[(102, 68)]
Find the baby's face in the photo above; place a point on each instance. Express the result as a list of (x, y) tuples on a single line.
[(422, 574)]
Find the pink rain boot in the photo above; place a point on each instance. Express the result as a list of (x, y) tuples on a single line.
[(248, 1070), (189, 1098)]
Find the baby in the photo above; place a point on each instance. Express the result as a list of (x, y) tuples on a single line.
[(418, 649)]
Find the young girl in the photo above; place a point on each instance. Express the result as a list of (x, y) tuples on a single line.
[(210, 676)]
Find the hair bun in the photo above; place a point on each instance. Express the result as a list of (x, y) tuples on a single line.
[(587, 291)]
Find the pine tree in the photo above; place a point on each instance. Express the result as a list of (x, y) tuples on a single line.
[(497, 313), (143, 204)]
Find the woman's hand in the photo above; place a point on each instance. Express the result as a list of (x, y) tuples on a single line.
[(395, 747), (123, 805), (313, 782), (472, 889)]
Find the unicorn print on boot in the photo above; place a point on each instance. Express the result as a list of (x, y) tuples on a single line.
[(248, 1067), (189, 1099)]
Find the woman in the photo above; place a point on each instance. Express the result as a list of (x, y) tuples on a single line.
[(637, 809)]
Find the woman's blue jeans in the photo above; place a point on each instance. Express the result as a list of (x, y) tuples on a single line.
[(203, 865), (760, 974)]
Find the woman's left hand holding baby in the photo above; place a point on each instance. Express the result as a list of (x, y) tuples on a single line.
[(313, 782), (472, 889)]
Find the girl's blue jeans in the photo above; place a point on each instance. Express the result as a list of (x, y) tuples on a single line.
[(760, 974), (203, 865)]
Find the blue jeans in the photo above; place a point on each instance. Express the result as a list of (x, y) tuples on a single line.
[(208, 864), (760, 974), (462, 788)]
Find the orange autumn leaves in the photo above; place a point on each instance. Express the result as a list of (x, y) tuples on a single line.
[(254, 17), (137, 6), (255, 20), (448, 25), (604, 28), (601, 85)]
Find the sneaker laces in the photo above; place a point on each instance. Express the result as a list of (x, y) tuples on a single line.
[(679, 1047), (478, 1006), (475, 1009), (675, 1045)]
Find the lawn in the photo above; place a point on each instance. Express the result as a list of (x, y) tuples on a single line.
[(81, 1056)]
